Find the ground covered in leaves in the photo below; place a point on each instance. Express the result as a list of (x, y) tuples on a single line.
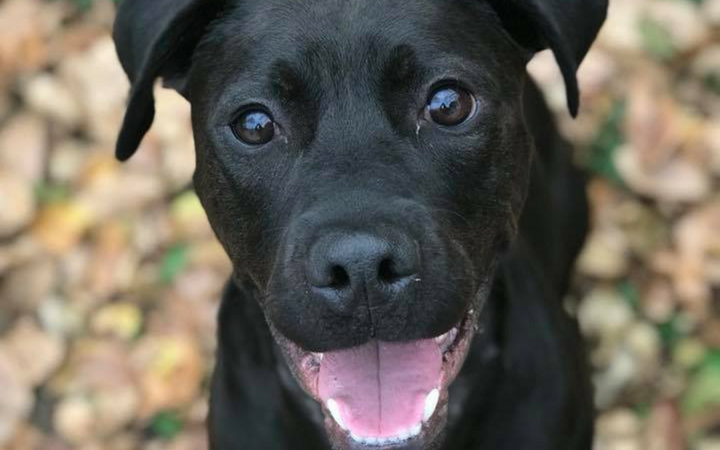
[(110, 275)]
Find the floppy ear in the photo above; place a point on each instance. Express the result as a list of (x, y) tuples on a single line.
[(567, 27), (155, 39)]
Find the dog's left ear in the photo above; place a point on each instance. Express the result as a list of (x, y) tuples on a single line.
[(567, 27), (156, 39)]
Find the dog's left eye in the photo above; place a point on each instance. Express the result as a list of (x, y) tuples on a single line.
[(450, 106), (254, 127)]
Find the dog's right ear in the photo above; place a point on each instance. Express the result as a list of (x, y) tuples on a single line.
[(156, 39)]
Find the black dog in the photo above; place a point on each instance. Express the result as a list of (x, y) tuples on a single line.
[(397, 206)]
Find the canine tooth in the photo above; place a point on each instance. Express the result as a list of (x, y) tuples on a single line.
[(447, 338), (334, 409), (318, 356), (414, 431), (431, 402), (440, 338)]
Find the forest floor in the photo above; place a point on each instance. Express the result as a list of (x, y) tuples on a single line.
[(110, 275)]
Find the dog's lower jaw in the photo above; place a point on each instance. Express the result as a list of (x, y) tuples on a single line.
[(431, 411)]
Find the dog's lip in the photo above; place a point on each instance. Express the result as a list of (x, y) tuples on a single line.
[(309, 362), (445, 341), (454, 345)]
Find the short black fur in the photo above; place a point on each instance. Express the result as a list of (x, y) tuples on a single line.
[(488, 215)]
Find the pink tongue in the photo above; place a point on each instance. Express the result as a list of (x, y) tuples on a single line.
[(380, 387)]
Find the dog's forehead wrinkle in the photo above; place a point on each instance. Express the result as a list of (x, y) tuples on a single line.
[(348, 14), (288, 23), (332, 57), (340, 67), (339, 22)]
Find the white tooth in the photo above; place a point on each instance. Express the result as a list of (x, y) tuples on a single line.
[(371, 440), (440, 338), (334, 409), (405, 435), (356, 438), (414, 431), (318, 356), (431, 402)]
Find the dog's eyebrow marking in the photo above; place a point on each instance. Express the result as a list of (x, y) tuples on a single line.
[(298, 95), (401, 68), (286, 83)]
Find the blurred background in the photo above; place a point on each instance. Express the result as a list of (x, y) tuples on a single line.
[(110, 275)]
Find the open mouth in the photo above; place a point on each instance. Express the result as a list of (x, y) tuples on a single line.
[(383, 394)]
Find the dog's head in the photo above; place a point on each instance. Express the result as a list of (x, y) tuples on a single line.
[(364, 163)]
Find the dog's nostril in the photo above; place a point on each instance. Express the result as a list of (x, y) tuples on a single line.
[(339, 277), (343, 267), (387, 272)]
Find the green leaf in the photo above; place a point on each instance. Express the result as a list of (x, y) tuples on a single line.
[(51, 193), (643, 410), (601, 157), (670, 332), (657, 40), (630, 293), (704, 386), (712, 82), (84, 4), (166, 424), (173, 263)]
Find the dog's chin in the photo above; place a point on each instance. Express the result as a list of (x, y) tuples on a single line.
[(384, 395)]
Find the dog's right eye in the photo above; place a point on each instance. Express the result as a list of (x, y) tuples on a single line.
[(254, 127)]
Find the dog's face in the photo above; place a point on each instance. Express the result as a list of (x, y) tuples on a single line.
[(363, 168), (364, 163)]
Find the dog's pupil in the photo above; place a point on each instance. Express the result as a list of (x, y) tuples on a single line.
[(450, 106), (254, 127)]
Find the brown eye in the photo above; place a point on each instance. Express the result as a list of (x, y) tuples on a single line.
[(450, 106), (254, 127)]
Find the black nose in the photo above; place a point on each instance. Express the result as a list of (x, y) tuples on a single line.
[(344, 269)]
